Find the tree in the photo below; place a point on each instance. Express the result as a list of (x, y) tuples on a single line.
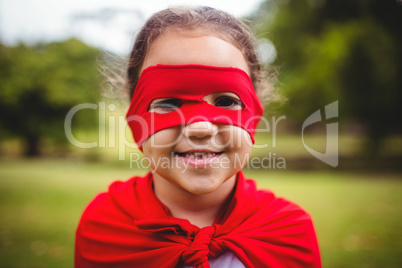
[(339, 50), (39, 84)]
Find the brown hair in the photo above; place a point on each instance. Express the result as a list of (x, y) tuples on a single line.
[(224, 25)]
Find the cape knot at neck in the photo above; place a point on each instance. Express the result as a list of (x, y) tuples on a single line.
[(197, 252)]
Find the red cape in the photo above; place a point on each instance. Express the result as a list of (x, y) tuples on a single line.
[(129, 227)]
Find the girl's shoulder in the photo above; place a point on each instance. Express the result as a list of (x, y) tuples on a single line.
[(109, 202), (268, 203), (127, 200)]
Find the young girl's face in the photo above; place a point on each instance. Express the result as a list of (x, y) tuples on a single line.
[(199, 157)]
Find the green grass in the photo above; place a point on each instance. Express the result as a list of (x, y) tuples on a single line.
[(358, 217)]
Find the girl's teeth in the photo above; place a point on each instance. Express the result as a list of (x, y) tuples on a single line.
[(199, 155)]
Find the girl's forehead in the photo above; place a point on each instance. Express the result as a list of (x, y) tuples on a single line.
[(194, 47)]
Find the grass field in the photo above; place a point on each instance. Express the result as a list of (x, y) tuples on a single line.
[(358, 217)]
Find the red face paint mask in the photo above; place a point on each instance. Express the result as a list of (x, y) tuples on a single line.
[(189, 84)]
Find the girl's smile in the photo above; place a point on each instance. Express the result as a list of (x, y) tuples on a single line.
[(199, 158)]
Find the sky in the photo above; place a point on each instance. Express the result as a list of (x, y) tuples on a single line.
[(107, 24)]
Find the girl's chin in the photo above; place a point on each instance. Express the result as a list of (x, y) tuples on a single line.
[(201, 190), (203, 184)]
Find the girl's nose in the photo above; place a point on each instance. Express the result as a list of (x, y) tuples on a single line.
[(200, 130)]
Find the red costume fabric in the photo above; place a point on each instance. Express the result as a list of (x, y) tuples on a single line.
[(129, 227), (189, 84)]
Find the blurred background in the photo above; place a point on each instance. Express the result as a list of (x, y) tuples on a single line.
[(51, 57)]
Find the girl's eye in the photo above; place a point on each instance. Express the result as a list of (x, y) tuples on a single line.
[(165, 106), (228, 103)]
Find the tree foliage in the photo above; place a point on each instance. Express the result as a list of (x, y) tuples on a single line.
[(339, 50), (39, 84)]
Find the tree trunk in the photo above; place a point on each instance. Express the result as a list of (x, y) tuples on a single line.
[(32, 146)]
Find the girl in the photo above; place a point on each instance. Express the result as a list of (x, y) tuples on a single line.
[(194, 110)]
